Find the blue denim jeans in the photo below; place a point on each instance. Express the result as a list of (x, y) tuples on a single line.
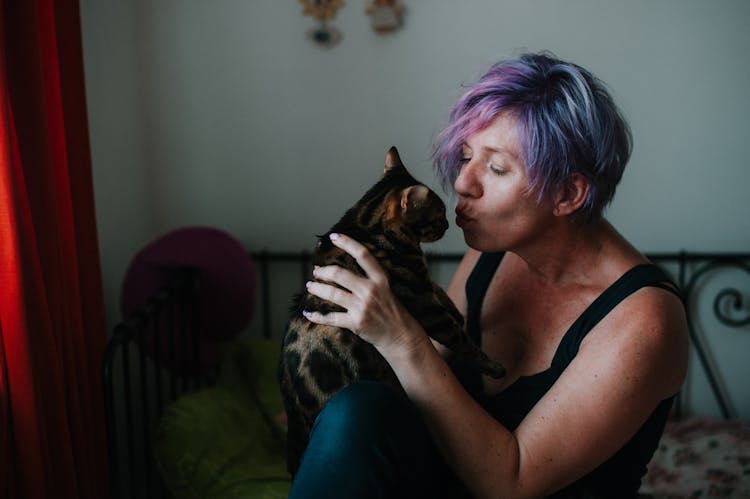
[(369, 441)]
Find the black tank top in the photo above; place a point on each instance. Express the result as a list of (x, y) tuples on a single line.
[(620, 476)]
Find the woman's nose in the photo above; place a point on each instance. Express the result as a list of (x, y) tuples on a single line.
[(467, 184)]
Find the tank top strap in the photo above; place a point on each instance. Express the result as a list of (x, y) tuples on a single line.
[(476, 287), (640, 276)]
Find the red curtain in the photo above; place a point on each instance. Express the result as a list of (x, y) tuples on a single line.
[(52, 328)]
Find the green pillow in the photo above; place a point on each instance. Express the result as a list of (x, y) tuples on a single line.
[(223, 441)]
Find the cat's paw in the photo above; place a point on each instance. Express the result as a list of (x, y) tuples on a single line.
[(492, 369)]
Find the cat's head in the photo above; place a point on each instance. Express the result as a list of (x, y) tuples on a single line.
[(411, 207)]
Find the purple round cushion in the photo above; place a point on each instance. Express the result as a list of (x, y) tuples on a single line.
[(226, 302)]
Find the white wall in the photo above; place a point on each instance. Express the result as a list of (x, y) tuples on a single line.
[(223, 113)]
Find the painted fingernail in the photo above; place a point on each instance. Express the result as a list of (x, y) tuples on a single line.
[(308, 284), (333, 236)]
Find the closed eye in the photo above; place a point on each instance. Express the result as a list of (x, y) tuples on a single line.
[(465, 154), (497, 170)]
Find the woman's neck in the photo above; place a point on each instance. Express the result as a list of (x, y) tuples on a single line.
[(567, 253)]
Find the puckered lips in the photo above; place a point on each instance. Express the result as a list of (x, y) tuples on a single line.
[(462, 217)]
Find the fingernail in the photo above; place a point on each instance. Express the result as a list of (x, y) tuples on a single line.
[(308, 284), (333, 236), (306, 313)]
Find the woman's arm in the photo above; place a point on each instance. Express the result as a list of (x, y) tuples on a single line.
[(629, 362)]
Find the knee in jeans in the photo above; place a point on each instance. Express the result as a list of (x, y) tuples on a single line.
[(366, 405)]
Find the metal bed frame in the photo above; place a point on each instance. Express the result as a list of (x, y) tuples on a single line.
[(138, 388)]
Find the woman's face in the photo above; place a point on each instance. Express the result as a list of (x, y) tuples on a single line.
[(496, 208)]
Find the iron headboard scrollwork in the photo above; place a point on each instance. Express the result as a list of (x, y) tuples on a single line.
[(169, 321)]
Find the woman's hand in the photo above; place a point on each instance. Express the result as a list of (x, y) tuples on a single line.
[(372, 311)]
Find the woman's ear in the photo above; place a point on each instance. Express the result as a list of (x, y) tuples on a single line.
[(572, 195)]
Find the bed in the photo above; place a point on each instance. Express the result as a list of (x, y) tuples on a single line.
[(186, 424)]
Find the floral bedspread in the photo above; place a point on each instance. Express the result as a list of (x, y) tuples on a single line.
[(700, 457)]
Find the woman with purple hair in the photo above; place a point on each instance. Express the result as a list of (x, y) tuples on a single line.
[(593, 336)]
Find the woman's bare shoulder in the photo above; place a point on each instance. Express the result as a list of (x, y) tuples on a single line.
[(651, 326)]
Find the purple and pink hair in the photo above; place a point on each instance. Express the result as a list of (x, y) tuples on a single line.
[(567, 123)]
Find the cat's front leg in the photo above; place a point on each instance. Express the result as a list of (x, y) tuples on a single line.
[(451, 333), (445, 300)]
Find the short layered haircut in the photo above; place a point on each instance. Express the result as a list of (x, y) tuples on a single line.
[(567, 123)]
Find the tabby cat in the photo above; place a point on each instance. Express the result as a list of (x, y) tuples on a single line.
[(317, 361)]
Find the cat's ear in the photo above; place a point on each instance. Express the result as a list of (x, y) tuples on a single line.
[(392, 160), (413, 196)]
